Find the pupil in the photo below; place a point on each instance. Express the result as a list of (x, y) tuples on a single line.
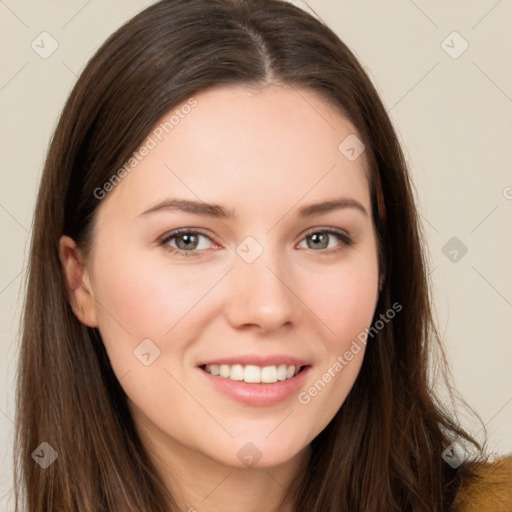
[(319, 239), (188, 240)]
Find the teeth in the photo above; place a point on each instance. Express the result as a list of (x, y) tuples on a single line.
[(282, 372), (268, 374), (236, 372), (253, 374)]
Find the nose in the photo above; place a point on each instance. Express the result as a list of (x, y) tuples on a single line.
[(261, 294)]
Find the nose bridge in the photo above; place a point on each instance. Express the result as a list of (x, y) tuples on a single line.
[(260, 293)]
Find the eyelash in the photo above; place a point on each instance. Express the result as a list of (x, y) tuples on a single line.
[(346, 241)]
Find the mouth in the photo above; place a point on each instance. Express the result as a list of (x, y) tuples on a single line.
[(253, 374), (254, 385)]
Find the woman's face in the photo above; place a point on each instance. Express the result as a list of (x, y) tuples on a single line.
[(261, 274)]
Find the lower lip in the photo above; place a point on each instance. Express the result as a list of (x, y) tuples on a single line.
[(258, 394)]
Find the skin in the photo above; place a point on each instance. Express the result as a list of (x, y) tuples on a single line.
[(265, 154)]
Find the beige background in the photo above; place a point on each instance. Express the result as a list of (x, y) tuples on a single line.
[(452, 114)]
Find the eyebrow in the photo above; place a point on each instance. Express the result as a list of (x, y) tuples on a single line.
[(219, 212)]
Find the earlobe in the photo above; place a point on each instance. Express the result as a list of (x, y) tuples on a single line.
[(80, 293)]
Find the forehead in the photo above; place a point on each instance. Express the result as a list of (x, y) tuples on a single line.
[(246, 147)]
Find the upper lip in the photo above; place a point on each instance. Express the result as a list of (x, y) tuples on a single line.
[(257, 360)]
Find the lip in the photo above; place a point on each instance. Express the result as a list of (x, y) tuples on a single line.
[(262, 394), (259, 360)]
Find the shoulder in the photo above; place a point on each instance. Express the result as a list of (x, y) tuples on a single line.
[(488, 489)]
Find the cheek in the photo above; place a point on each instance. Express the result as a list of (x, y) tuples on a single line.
[(137, 301), (344, 296), (348, 304)]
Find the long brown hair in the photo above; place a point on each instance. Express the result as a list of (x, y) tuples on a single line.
[(383, 449)]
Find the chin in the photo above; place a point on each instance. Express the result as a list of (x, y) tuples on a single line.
[(260, 454)]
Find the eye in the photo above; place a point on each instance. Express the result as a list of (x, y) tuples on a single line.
[(190, 242), (320, 240), (186, 242)]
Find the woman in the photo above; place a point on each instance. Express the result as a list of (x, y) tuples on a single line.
[(227, 305)]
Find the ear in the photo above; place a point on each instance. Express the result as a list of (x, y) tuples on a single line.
[(78, 284)]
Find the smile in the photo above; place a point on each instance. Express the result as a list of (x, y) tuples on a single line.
[(255, 385), (253, 374)]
